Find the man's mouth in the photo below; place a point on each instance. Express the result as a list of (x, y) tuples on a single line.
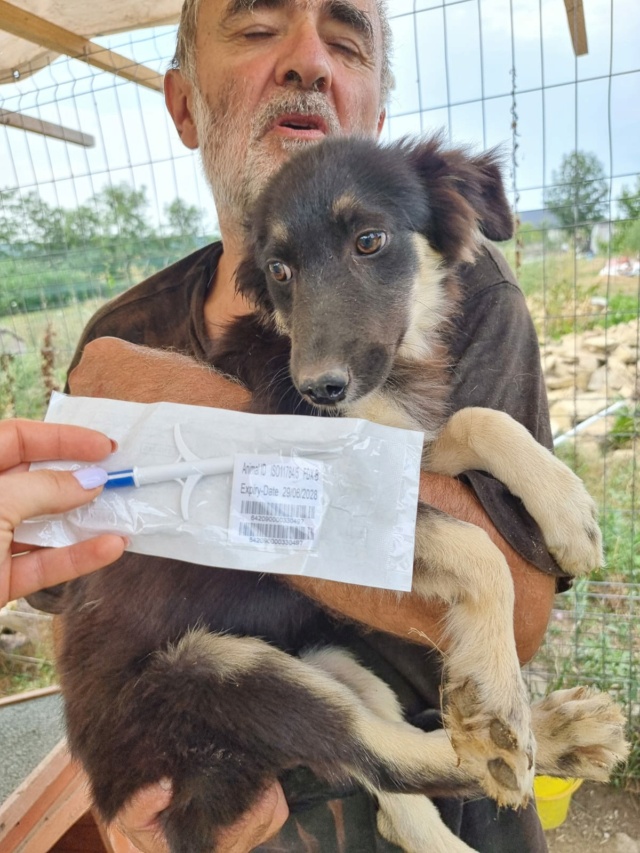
[(298, 126)]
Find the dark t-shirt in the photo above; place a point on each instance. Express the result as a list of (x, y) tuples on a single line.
[(495, 363)]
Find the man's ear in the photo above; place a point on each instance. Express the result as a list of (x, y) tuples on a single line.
[(178, 98), (381, 119)]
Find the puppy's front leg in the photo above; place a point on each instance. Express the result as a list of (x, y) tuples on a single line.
[(486, 440), (486, 707)]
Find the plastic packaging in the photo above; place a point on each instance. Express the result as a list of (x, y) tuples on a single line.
[(332, 498)]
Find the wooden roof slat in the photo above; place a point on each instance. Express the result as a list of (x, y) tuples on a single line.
[(46, 128), (577, 26), (27, 26)]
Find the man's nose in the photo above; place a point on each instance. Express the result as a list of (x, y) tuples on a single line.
[(305, 62)]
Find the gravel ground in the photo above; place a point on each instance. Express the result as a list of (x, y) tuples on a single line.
[(601, 820)]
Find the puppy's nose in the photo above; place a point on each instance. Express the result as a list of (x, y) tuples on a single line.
[(327, 389)]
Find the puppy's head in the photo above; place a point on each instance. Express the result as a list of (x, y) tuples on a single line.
[(348, 248)]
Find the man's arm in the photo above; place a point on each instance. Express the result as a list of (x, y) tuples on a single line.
[(144, 375)]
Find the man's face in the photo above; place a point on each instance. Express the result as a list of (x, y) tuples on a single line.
[(276, 74)]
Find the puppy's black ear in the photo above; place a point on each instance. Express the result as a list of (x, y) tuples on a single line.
[(488, 197), (251, 282), (465, 195)]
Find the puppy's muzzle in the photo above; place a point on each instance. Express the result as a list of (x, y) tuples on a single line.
[(327, 389)]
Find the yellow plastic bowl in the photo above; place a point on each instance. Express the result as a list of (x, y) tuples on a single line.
[(553, 797)]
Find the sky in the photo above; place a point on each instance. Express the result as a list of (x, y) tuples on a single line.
[(454, 67)]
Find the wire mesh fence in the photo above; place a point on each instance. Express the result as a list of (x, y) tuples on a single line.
[(83, 220)]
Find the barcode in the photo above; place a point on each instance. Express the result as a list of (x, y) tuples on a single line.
[(278, 510), (276, 531)]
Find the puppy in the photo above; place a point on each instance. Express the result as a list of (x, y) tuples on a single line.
[(351, 262)]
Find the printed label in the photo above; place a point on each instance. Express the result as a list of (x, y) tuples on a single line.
[(276, 501)]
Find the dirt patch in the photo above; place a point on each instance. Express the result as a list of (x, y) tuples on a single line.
[(601, 818)]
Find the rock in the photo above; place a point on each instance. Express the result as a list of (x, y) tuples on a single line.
[(610, 377), (15, 644), (600, 343), (623, 843), (582, 379), (567, 413), (627, 333), (626, 354), (556, 382), (624, 456)]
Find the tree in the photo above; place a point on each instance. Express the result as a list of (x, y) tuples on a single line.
[(626, 237), (579, 195), (185, 220), (122, 211), (10, 216)]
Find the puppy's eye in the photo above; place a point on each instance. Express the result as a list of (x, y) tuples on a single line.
[(371, 242), (281, 272)]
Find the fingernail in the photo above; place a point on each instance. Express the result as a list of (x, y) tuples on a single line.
[(114, 445), (91, 478)]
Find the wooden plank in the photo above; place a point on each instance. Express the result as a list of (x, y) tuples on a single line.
[(46, 128), (53, 815), (83, 837), (29, 694), (577, 26), (43, 808), (34, 786), (45, 805), (27, 26)]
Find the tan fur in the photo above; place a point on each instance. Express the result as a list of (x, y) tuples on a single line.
[(380, 408), (413, 823), (279, 231), (344, 204)]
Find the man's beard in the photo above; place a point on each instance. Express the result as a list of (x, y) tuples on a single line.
[(238, 157)]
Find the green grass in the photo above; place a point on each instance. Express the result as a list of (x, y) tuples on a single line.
[(17, 677), (560, 288), (593, 636), (22, 385)]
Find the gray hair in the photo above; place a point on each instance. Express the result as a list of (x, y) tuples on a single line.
[(184, 58)]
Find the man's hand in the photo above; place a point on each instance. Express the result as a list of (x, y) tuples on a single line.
[(137, 827)]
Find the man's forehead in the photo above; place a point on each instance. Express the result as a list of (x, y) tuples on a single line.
[(361, 13)]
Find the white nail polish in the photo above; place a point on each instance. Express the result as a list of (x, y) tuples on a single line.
[(91, 478)]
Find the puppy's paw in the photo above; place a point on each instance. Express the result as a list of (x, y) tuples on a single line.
[(580, 732), (493, 739), (568, 518)]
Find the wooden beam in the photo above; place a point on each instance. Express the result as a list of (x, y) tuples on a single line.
[(46, 128), (27, 695), (577, 26), (45, 805), (23, 24)]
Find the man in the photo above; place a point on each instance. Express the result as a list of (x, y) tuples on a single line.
[(252, 81)]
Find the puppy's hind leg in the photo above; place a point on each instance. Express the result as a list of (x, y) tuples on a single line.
[(410, 821), (413, 823)]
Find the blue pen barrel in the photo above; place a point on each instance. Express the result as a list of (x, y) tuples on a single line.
[(120, 479)]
